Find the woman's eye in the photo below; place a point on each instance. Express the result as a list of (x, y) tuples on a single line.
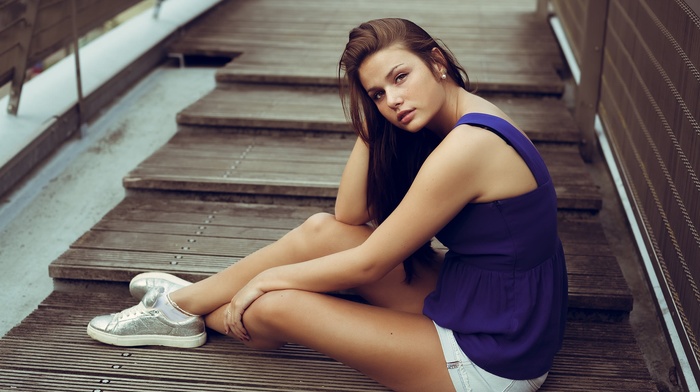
[(400, 77), (378, 95)]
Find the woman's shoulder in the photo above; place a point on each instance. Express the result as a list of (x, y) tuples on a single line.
[(480, 105), (471, 139), (466, 149)]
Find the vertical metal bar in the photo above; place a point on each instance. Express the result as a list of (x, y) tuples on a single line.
[(24, 47), (588, 91), (156, 9), (542, 8), (76, 53)]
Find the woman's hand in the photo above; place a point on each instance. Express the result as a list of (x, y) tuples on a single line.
[(233, 316)]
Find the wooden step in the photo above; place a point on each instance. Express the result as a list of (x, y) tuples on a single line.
[(309, 166), (52, 343), (283, 66), (50, 351), (301, 42), (319, 109), (195, 239), (265, 107)]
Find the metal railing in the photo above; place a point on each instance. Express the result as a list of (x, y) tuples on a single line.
[(639, 77), (31, 30)]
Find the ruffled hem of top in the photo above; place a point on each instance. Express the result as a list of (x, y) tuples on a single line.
[(502, 317)]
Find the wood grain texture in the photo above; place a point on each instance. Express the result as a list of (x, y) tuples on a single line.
[(209, 161), (196, 239), (301, 42), (51, 351), (279, 131)]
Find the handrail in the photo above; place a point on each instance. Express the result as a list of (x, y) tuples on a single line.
[(636, 98), (110, 64), (41, 28)]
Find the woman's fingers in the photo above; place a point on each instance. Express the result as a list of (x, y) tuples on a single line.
[(233, 322), (237, 325)]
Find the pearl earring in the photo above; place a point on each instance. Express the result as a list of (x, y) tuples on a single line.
[(443, 77)]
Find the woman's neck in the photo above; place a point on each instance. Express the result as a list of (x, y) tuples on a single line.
[(457, 103)]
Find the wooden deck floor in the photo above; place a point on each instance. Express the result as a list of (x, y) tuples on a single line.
[(197, 238), (240, 105), (300, 42), (50, 351), (265, 150), (303, 165)]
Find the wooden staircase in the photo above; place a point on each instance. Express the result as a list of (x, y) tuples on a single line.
[(265, 150)]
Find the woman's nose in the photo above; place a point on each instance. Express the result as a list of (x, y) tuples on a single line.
[(393, 99)]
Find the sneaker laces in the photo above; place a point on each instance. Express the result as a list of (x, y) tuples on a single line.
[(142, 307), (132, 311)]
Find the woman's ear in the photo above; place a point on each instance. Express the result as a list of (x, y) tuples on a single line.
[(439, 61)]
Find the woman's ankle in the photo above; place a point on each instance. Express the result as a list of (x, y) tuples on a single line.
[(171, 309)]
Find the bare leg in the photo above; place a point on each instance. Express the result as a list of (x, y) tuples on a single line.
[(391, 342), (398, 349), (320, 235)]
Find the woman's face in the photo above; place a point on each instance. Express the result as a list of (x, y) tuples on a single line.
[(405, 90)]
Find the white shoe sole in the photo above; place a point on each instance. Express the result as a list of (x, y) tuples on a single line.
[(157, 275), (147, 340)]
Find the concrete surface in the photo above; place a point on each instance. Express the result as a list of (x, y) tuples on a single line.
[(82, 182), (54, 91)]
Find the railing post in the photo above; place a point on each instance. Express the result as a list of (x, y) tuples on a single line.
[(542, 8), (76, 54), (20, 66), (588, 90), (156, 9)]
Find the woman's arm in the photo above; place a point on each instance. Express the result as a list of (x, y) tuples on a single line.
[(450, 178), (351, 202)]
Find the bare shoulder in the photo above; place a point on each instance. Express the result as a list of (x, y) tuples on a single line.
[(471, 143), (465, 157), (494, 168)]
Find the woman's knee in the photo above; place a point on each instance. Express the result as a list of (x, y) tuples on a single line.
[(323, 231), (318, 224), (266, 319)]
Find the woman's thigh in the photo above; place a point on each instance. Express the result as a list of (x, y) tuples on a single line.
[(400, 350), (393, 292), (320, 235)]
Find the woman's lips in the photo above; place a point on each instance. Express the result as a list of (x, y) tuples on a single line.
[(405, 116)]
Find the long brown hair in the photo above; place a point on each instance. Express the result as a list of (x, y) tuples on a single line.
[(395, 156)]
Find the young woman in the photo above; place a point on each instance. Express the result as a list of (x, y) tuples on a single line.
[(431, 159)]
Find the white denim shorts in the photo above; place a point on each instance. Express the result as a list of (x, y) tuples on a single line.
[(467, 377)]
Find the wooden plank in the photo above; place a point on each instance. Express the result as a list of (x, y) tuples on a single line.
[(222, 363), (504, 72), (265, 17), (289, 165), (317, 75), (331, 45), (320, 109), (51, 349), (196, 239), (268, 107), (267, 31)]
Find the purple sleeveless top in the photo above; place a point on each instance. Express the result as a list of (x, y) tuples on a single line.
[(503, 285)]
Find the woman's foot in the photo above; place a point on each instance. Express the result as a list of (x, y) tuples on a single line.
[(146, 281), (146, 324)]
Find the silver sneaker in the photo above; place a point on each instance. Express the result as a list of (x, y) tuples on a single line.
[(144, 282), (143, 325)]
